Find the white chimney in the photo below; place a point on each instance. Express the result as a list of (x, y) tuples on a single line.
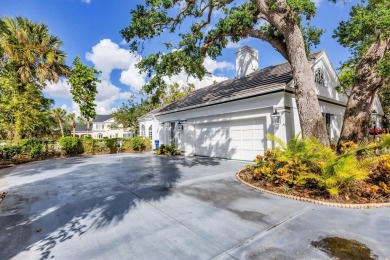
[(246, 61)]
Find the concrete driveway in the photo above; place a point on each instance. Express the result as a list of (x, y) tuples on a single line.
[(143, 206)]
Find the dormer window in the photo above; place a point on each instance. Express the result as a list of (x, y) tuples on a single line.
[(319, 77)]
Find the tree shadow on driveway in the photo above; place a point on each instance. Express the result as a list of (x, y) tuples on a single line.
[(98, 193)]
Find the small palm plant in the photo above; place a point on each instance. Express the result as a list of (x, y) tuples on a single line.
[(307, 159)]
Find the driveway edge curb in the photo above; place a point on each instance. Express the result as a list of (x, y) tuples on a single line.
[(316, 202)]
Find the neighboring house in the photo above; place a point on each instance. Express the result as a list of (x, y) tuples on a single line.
[(231, 119), (149, 126), (104, 126)]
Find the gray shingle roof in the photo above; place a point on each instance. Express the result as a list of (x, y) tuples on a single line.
[(101, 118), (83, 128), (245, 86)]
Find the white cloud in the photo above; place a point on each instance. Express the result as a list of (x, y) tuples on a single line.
[(108, 95), (183, 79), (107, 56), (75, 108), (132, 78), (212, 65), (86, 1), (61, 89), (65, 107), (123, 42)]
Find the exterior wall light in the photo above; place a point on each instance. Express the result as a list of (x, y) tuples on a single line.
[(180, 126), (374, 116), (276, 118)]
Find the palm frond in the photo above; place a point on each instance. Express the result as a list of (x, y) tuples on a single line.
[(277, 140)]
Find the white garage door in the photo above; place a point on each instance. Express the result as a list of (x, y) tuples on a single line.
[(236, 139)]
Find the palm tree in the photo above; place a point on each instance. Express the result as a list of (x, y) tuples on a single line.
[(72, 119), (59, 115), (35, 53), (34, 56)]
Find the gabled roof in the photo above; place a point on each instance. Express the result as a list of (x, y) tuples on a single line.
[(101, 118), (235, 88)]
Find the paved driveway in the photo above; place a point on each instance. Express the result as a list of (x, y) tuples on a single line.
[(148, 207)]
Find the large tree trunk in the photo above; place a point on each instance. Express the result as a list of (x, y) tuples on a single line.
[(61, 128), (87, 127), (310, 117), (365, 86), (74, 131)]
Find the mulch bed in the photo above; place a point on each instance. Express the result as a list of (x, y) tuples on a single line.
[(359, 193)]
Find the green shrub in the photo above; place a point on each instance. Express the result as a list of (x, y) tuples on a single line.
[(138, 143), (111, 145), (127, 145), (169, 150), (32, 146), (69, 145), (9, 151), (87, 145)]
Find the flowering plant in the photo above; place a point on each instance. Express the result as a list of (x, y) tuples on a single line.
[(377, 131)]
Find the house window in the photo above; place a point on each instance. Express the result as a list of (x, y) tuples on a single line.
[(143, 132), (319, 77), (128, 135), (150, 132), (100, 136)]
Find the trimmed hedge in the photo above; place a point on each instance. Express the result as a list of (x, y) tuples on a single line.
[(69, 145), (74, 145)]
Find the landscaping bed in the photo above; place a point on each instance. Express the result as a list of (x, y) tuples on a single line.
[(306, 169), (360, 192)]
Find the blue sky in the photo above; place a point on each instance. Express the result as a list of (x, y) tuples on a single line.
[(90, 29)]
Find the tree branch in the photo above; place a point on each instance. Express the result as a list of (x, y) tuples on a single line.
[(277, 43)]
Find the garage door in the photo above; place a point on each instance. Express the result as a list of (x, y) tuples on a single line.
[(236, 139)]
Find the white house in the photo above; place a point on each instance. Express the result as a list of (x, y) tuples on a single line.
[(231, 119), (104, 126)]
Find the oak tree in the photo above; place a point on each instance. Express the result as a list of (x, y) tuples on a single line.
[(282, 23), (367, 35)]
